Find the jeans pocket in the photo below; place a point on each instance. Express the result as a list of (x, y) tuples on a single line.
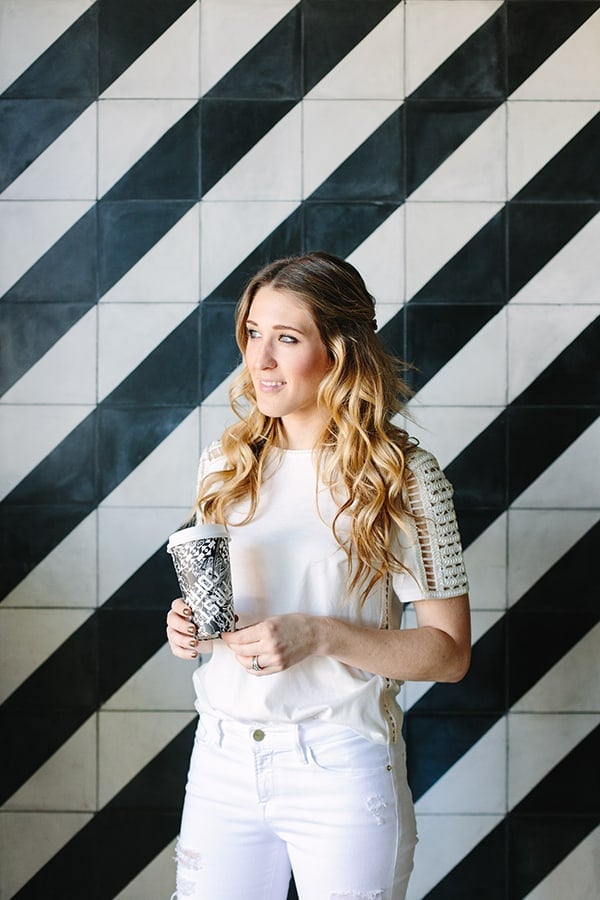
[(348, 753)]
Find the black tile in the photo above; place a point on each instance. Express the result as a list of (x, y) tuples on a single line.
[(28, 330), (484, 687), (435, 129), (536, 28), (573, 174), (538, 844), (219, 353), (230, 128), (339, 228), (128, 230), (169, 170), (119, 657), (67, 272), (272, 69), (537, 642), (476, 69), (479, 472), (485, 865), (150, 587), (393, 336), (565, 586), (126, 30), (567, 788), (28, 534), (67, 475), (435, 742), (68, 68), (375, 171), (473, 522), (537, 231), (333, 29), (32, 736), (127, 435), (537, 435), (476, 274), (573, 378), (436, 333), (28, 127)]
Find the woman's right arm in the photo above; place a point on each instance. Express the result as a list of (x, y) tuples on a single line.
[(181, 632)]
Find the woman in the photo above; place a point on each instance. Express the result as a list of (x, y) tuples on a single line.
[(336, 520)]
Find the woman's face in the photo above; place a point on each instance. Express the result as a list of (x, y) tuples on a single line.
[(287, 361)]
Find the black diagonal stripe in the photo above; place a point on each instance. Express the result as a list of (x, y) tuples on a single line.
[(485, 864), (129, 832), (536, 30)]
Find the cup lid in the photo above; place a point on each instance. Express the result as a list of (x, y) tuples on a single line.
[(196, 532)]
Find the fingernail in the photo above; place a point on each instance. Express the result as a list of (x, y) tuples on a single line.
[(192, 643), (187, 611), (192, 629), (194, 654)]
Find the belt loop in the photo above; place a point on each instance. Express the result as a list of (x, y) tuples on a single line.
[(300, 747), (219, 733)]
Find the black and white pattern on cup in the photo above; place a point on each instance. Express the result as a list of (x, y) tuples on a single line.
[(204, 576), (151, 157)]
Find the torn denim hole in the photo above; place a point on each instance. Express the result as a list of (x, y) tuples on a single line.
[(376, 805), (358, 895), (188, 862)]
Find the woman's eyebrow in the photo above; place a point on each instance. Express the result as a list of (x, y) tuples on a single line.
[(276, 327)]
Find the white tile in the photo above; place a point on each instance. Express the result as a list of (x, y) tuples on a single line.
[(537, 334), (332, 131), (576, 876), (28, 28), (42, 833), (567, 686), (477, 168), (374, 68), (162, 682), (28, 228), (380, 261), (230, 28), (169, 272), (66, 373), (35, 431), (548, 739), (28, 637), (485, 561), (128, 333), (127, 538), (166, 477), (474, 784), (140, 737), (433, 33), (170, 67), (66, 577), (435, 232), (444, 841), (129, 128), (157, 879), (446, 430), (537, 539), (537, 131), (572, 72), (271, 170), (66, 170), (246, 225), (571, 481), (571, 276), (67, 780), (485, 355), (213, 422)]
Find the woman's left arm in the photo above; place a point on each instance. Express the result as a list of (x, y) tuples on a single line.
[(438, 649)]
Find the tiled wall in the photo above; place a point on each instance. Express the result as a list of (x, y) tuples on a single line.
[(152, 154)]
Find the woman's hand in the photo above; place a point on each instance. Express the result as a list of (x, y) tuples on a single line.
[(276, 643), (181, 632)]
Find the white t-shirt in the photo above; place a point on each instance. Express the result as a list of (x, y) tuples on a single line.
[(286, 560)]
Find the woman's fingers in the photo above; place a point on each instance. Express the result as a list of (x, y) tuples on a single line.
[(181, 631)]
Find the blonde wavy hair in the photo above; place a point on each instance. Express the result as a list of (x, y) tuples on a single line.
[(361, 454)]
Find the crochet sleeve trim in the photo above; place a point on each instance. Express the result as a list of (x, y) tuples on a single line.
[(430, 494)]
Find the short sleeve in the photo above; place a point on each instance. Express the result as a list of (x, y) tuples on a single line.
[(433, 554)]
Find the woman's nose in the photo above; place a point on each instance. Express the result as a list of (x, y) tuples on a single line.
[(265, 358)]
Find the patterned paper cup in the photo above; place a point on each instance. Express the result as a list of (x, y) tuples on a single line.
[(201, 558)]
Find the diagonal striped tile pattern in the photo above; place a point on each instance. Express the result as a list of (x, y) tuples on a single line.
[(151, 157)]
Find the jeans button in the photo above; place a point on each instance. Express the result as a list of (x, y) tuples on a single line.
[(258, 735)]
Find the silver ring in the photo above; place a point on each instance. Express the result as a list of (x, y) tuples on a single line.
[(255, 666)]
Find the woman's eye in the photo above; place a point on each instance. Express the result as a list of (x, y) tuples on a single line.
[(252, 333), (288, 339)]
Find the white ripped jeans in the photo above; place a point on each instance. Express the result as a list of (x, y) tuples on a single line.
[(316, 798)]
